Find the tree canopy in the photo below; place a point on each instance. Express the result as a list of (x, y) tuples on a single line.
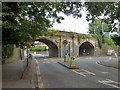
[(109, 11)]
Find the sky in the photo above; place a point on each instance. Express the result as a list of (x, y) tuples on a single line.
[(70, 23)]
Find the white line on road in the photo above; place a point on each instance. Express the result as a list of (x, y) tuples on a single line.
[(110, 83), (83, 72), (45, 59), (104, 72), (47, 62), (79, 73)]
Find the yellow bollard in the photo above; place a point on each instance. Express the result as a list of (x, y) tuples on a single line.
[(72, 63), (115, 54), (68, 58)]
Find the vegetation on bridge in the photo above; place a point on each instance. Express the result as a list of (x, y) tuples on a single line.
[(82, 36), (52, 32)]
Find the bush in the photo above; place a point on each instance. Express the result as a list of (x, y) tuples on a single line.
[(109, 41), (7, 51), (39, 48), (118, 47)]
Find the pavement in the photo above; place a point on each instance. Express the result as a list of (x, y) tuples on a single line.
[(110, 63), (17, 75)]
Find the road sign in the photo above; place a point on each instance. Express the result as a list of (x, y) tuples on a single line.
[(73, 58), (67, 51), (65, 42)]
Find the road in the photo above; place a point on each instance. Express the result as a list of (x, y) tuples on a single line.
[(90, 74)]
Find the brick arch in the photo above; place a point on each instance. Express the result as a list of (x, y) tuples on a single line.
[(87, 40), (86, 48), (53, 48)]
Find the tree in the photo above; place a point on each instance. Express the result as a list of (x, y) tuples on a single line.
[(109, 10), (22, 22), (116, 39), (96, 28)]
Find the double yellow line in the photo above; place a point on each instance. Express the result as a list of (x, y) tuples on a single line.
[(38, 75)]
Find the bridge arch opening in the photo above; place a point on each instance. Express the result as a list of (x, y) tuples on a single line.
[(86, 49), (53, 48)]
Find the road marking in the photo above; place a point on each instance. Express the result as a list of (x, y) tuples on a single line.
[(78, 73), (48, 62), (110, 83), (90, 58), (104, 72), (39, 78), (83, 72), (45, 59), (106, 66)]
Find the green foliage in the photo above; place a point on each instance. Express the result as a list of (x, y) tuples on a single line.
[(94, 36), (109, 41), (118, 46), (82, 36), (116, 39), (7, 51), (108, 9), (51, 32), (96, 28), (39, 48), (73, 34)]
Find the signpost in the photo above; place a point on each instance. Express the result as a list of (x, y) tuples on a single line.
[(65, 43), (67, 56)]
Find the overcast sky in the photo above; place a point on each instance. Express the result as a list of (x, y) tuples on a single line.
[(79, 25)]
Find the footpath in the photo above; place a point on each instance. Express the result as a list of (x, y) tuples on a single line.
[(17, 75)]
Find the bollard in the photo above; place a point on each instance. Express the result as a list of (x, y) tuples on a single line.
[(72, 61), (115, 54), (68, 58), (65, 58)]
